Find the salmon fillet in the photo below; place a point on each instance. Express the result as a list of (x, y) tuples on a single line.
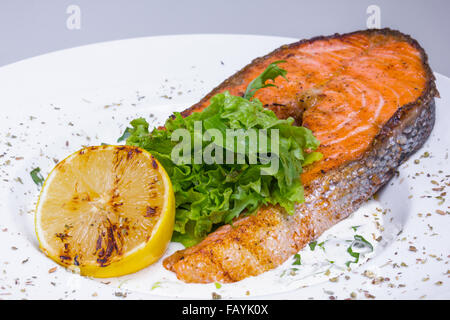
[(368, 96)]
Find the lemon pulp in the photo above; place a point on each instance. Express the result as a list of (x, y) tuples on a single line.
[(106, 211)]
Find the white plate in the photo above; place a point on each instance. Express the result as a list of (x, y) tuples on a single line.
[(53, 104)]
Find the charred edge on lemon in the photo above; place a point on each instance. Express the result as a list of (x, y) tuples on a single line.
[(109, 242), (154, 163), (112, 245), (151, 212)]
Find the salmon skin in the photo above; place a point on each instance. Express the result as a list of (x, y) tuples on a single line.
[(368, 96)]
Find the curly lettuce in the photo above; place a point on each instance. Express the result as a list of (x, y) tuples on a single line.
[(210, 195)]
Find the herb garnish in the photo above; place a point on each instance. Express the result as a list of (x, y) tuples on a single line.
[(322, 245), (297, 260), (312, 245), (157, 284), (37, 176), (358, 243)]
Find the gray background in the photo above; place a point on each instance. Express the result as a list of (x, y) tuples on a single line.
[(34, 27)]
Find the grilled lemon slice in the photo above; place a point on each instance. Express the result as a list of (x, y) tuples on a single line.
[(106, 211)]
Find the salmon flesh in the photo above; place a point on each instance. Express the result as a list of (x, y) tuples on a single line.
[(368, 96)]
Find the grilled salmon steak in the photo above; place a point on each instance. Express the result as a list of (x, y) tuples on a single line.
[(368, 96)]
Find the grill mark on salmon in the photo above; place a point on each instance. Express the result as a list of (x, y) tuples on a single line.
[(368, 96)]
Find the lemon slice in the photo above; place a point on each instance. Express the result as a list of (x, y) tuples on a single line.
[(106, 211)]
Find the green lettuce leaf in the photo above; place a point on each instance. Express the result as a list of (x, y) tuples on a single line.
[(270, 73), (210, 195)]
